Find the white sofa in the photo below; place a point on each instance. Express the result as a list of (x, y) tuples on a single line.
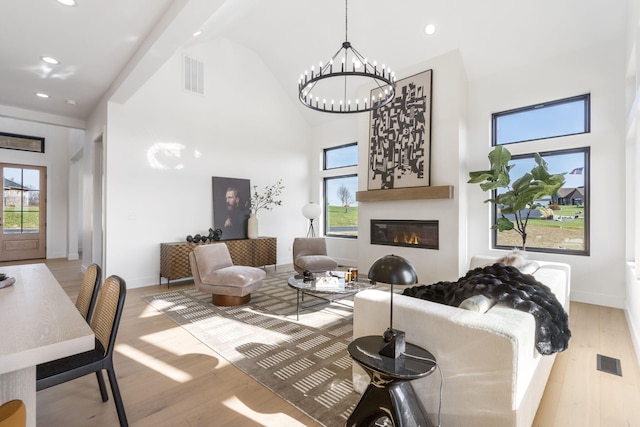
[(493, 375)]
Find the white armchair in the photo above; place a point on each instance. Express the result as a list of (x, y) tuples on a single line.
[(213, 272)]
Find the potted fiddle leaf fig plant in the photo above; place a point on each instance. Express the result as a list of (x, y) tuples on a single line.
[(515, 197)]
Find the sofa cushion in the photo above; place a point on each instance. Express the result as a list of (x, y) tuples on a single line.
[(316, 263), (530, 267), (212, 257), (508, 286), (234, 276), (478, 303), (556, 280)]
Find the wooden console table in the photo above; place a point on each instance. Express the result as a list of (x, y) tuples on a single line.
[(174, 257)]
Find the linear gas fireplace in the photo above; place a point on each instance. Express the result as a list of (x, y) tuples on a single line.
[(407, 233)]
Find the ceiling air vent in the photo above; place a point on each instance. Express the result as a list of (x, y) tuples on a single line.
[(193, 75)]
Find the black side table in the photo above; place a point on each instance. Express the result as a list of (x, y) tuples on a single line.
[(390, 393)]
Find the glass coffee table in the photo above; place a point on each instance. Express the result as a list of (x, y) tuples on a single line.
[(327, 287)]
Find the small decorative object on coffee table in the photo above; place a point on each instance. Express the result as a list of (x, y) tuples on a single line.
[(390, 393), (331, 285)]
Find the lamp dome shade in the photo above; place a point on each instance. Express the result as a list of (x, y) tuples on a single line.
[(311, 210), (393, 270)]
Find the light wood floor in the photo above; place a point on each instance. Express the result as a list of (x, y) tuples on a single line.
[(168, 378)]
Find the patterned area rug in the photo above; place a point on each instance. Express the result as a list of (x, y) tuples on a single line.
[(305, 362)]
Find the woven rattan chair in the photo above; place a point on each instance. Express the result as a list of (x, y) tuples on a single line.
[(104, 322), (13, 414), (86, 300)]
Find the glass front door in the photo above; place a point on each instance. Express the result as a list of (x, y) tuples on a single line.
[(23, 220)]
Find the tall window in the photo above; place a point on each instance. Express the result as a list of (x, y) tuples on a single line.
[(552, 119), (560, 223), (340, 181)]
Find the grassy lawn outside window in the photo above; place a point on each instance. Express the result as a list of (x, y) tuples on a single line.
[(340, 184)]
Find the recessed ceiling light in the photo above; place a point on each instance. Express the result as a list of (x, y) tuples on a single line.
[(71, 101), (42, 95), (197, 33), (67, 2), (430, 29), (50, 60)]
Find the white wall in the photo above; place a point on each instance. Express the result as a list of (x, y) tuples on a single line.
[(164, 145), (447, 147), (95, 130), (56, 160), (343, 129), (598, 278), (632, 303)]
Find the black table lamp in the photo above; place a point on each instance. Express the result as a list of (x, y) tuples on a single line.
[(393, 270)]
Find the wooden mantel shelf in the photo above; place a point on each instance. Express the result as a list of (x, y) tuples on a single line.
[(409, 193)]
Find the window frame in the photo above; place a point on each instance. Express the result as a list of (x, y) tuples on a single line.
[(337, 147), (587, 118), (586, 172), (329, 173)]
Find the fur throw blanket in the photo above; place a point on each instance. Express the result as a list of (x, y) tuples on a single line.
[(508, 286)]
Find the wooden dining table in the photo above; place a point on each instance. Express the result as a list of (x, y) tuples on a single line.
[(38, 323)]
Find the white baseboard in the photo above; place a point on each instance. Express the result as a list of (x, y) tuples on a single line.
[(634, 330), (73, 257), (597, 299)]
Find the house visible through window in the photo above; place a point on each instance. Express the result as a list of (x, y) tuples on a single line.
[(340, 183), (559, 223), (552, 119)]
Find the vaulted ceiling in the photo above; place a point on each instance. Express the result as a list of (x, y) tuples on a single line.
[(110, 47)]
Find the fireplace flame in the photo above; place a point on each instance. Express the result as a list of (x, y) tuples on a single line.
[(408, 239)]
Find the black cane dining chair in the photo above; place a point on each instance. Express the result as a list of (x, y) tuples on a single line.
[(104, 323), (88, 293)]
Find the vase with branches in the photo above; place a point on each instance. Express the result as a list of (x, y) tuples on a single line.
[(265, 199), (519, 196)]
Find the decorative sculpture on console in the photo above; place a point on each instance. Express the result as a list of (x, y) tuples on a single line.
[(213, 235)]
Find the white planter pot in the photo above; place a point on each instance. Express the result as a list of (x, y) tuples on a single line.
[(252, 227)]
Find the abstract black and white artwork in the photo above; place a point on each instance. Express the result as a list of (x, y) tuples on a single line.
[(400, 136)]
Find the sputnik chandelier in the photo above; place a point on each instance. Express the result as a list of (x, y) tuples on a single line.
[(329, 87)]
